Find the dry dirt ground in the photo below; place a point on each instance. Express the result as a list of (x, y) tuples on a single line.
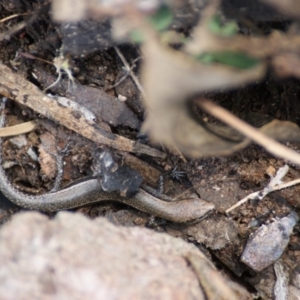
[(220, 180)]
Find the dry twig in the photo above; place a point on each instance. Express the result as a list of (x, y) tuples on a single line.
[(274, 185), (128, 69), (15, 87), (255, 135)]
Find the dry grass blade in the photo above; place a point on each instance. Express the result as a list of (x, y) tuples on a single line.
[(255, 135), (10, 17), (18, 129)]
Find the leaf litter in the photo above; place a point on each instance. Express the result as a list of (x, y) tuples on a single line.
[(172, 79)]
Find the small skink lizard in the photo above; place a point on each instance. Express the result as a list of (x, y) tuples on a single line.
[(89, 191)]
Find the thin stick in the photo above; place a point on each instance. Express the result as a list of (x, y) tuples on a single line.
[(17, 27), (255, 135), (244, 200), (134, 78), (286, 185), (15, 87), (256, 194), (274, 185), (179, 153), (125, 75), (30, 56), (10, 17)]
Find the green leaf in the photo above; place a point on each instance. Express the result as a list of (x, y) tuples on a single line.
[(227, 29), (234, 59), (137, 36), (162, 18)]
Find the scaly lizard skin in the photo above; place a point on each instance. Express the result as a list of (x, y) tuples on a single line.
[(89, 191)]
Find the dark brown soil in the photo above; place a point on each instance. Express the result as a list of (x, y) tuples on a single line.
[(220, 180)]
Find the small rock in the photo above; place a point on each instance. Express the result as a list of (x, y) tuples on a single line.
[(268, 243)]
